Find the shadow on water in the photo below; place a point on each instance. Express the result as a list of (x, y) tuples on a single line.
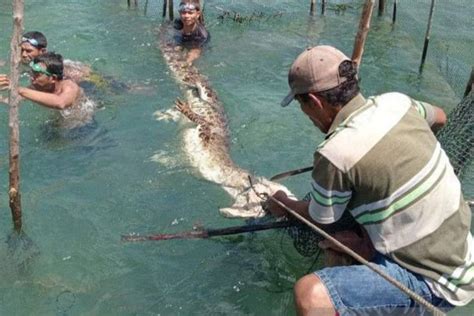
[(87, 139), (22, 251)]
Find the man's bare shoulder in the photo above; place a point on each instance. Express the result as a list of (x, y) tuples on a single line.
[(76, 70), (69, 86)]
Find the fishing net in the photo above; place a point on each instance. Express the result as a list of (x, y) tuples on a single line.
[(305, 240), (457, 137)]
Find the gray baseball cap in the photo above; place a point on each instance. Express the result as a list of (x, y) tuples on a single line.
[(315, 70)]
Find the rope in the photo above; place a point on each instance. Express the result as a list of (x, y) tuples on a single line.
[(420, 300)]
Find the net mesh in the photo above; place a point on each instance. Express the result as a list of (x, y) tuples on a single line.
[(457, 137)]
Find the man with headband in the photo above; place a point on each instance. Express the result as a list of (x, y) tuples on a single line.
[(32, 45), (192, 34)]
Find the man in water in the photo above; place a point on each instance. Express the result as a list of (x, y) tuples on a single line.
[(34, 44), (51, 90), (381, 163), (192, 35)]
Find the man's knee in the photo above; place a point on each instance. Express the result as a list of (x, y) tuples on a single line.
[(311, 297)]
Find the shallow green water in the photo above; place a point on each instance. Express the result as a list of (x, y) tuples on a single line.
[(130, 174)]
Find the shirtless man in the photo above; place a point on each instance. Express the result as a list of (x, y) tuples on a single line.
[(50, 89)]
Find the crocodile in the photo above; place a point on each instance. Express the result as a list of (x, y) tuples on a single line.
[(207, 143)]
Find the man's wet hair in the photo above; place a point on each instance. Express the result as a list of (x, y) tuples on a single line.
[(346, 91), (54, 63), (36, 36)]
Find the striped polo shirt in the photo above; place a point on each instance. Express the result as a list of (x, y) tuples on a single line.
[(381, 162)]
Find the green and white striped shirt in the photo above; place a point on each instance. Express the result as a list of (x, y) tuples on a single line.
[(381, 162)]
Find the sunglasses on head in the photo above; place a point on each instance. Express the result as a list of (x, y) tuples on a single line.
[(37, 69), (32, 41), (187, 7)]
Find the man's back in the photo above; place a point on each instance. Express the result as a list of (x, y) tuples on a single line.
[(397, 181)]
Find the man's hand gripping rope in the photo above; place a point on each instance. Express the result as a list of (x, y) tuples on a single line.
[(417, 298)]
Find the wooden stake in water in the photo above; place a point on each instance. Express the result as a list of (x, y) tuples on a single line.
[(381, 7), (146, 8), (323, 7), (394, 15), (364, 26), (165, 3), (427, 36), (171, 10), (14, 101), (470, 83), (311, 7)]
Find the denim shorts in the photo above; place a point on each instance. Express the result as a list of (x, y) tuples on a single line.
[(357, 290)]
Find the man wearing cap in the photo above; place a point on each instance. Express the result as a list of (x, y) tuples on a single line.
[(381, 163)]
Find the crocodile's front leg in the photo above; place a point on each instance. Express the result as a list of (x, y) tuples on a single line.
[(186, 110)]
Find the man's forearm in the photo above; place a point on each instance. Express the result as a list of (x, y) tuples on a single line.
[(49, 100)]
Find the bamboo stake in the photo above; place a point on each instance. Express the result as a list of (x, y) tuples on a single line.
[(14, 100), (470, 83), (208, 233), (290, 173), (381, 7), (171, 10), (311, 7), (146, 8), (364, 26), (201, 17), (427, 36), (323, 7), (394, 15)]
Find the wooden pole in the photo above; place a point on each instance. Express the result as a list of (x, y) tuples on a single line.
[(201, 17), (171, 10), (146, 8), (290, 173), (128, 3), (381, 7), (323, 7), (14, 100), (165, 2), (394, 15), (364, 26), (135, 2), (470, 83), (207, 233), (311, 7), (427, 36)]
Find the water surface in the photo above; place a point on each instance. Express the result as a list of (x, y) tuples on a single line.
[(129, 173)]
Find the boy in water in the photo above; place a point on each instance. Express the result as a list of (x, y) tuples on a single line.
[(192, 33), (50, 89)]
